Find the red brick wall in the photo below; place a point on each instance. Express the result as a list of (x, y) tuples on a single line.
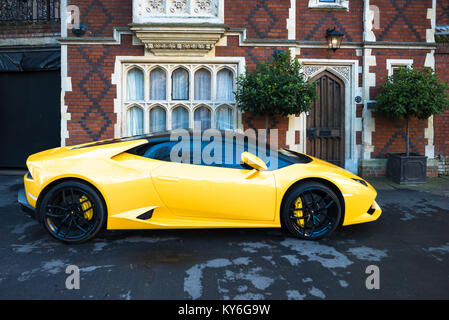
[(442, 12), (261, 18), (311, 24), (91, 101), (441, 122), (253, 55), (324, 53), (390, 136), (402, 20), (101, 16)]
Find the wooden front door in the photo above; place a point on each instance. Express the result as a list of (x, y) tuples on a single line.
[(326, 120)]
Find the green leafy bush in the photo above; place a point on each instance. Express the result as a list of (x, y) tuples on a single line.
[(275, 87), (411, 93)]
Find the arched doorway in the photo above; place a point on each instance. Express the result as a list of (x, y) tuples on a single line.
[(326, 120)]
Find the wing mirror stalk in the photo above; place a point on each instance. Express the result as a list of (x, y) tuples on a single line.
[(254, 162)]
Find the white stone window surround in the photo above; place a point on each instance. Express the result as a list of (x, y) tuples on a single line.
[(337, 4), (178, 11), (147, 64), (394, 63)]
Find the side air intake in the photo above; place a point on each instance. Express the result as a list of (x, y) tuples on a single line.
[(145, 216)]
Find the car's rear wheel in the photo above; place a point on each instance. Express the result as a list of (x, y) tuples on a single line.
[(311, 211), (72, 212)]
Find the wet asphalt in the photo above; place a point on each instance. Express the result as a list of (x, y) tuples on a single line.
[(409, 246)]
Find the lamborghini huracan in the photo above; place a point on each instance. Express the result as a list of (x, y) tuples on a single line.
[(157, 182)]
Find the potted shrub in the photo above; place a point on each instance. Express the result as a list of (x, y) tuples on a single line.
[(408, 94), (275, 87)]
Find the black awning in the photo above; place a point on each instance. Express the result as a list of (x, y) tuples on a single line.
[(30, 61)]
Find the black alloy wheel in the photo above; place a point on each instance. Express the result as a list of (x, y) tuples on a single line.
[(311, 211), (72, 212)]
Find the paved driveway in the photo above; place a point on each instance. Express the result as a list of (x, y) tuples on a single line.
[(409, 245)]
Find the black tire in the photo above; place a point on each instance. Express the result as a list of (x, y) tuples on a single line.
[(72, 212), (311, 211)]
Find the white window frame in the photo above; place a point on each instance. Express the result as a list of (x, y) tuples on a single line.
[(338, 4), (235, 64), (395, 63)]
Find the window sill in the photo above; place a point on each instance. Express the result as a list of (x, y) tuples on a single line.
[(340, 5)]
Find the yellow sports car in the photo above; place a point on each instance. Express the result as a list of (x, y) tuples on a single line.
[(160, 182)]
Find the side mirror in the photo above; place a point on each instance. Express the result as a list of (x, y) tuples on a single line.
[(253, 161)]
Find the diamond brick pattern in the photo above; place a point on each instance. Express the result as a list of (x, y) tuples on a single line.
[(263, 19), (101, 16), (262, 12), (91, 14), (328, 19), (311, 25), (402, 20), (91, 101), (392, 138), (442, 12), (94, 114)]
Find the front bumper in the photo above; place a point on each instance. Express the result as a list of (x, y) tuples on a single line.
[(23, 201), (372, 214), (375, 211)]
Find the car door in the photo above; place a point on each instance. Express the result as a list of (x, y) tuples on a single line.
[(216, 192)]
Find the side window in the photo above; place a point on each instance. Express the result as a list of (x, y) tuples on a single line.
[(227, 155), (187, 152), (232, 156), (163, 151), (160, 151), (234, 149)]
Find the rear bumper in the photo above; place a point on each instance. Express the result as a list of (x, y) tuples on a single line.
[(23, 201)]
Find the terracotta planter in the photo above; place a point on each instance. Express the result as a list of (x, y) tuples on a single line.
[(407, 170)]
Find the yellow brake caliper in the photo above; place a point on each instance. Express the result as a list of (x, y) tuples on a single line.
[(86, 205), (299, 213)]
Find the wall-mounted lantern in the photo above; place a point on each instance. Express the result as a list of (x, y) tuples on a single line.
[(333, 38)]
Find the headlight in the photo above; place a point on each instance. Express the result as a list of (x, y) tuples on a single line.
[(361, 181)]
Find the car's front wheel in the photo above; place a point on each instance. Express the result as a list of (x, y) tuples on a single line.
[(311, 211), (72, 212)]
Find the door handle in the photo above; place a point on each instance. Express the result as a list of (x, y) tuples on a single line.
[(170, 179)]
